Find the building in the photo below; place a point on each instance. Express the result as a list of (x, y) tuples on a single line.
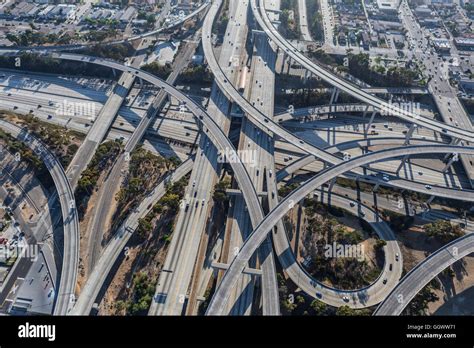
[(441, 45), (467, 85), (128, 15), (365, 40), (423, 11), (464, 44), (390, 5)]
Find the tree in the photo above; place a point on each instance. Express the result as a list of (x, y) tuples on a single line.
[(320, 308), (345, 311), (443, 231)]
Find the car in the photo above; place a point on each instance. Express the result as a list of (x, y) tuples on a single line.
[(428, 187), (390, 267), (385, 178), (194, 183), (270, 173), (397, 256), (345, 298), (385, 281)]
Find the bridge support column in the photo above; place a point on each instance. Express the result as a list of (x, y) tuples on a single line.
[(376, 187), (331, 184), (409, 134), (402, 164), (283, 62), (370, 121), (114, 73), (430, 199), (366, 111), (454, 141), (454, 158), (334, 95), (333, 100), (140, 82)]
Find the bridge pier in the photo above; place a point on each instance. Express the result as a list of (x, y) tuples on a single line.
[(430, 199), (333, 100), (376, 187), (454, 141), (366, 111), (402, 164), (409, 134), (454, 158), (370, 121)]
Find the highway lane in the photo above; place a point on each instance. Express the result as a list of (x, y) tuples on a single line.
[(303, 21), (419, 276), (65, 294), (176, 129), (163, 125), (312, 112), (120, 239), (111, 63), (216, 133), (182, 130), (104, 120), (264, 122), (110, 186), (173, 284), (263, 20), (221, 295), (259, 145)]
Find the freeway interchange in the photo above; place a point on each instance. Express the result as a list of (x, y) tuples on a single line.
[(255, 243)]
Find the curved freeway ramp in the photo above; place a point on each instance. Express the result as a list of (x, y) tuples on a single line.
[(415, 280), (263, 121), (65, 295), (258, 235), (260, 14), (359, 298), (376, 178), (217, 136)]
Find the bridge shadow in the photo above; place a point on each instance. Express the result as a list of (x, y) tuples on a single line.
[(458, 304)]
